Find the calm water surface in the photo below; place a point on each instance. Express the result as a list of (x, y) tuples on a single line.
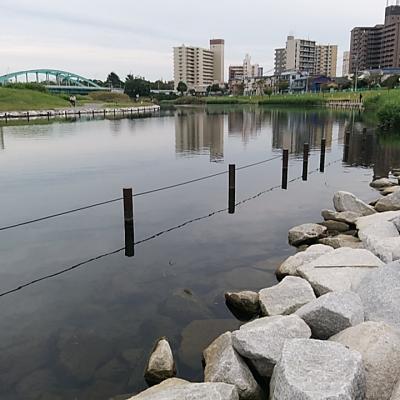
[(86, 334)]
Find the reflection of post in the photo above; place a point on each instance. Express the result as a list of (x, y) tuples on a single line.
[(306, 152), (2, 147), (129, 224), (285, 167), (232, 188)]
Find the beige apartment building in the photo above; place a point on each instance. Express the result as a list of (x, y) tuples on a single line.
[(346, 63), (199, 67), (326, 60)]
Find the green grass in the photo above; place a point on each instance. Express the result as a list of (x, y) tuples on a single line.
[(24, 100)]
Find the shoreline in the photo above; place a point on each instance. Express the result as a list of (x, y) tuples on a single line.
[(334, 310)]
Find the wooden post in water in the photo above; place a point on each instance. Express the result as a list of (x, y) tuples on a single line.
[(5, 115), (306, 152), (114, 113), (79, 113), (285, 168), (93, 113), (48, 115), (322, 160), (232, 188), (27, 116), (104, 112), (65, 114), (129, 223)]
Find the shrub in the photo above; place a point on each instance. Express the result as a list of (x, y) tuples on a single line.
[(389, 114), (110, 97), (27, 86)]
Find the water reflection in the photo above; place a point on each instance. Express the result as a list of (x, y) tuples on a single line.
[(2, 147), (364, 148), (246, 123), (199, 133)]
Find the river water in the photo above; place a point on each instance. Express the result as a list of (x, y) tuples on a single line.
[(86, 333)]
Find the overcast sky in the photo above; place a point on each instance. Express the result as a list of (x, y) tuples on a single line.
[(95, 37)]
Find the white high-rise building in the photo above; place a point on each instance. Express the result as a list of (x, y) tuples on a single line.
[(199, 68), (300, 55), (346, 63)]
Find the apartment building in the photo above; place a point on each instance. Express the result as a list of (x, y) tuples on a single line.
[(378, 46), (246, 70), (280, 61), (199, 67), (300, 55), (326, 60), (346, 63)]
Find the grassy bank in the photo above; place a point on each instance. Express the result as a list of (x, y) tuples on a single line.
[(386, 106), (12, 99)]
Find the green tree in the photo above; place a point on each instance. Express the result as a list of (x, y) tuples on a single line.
[(113, 80), (391, 82), (136, 86), (182, 87), (268, 92), (283, 86), (215, 88)]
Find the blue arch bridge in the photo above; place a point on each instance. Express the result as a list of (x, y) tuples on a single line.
[(54, 80)]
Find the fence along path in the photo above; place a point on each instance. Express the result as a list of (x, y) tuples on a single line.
[(67, 269)]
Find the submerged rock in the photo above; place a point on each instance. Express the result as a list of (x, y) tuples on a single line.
[(286, 297), (243, 305), (332, 313), (174, 389), (305, 234), (223, 364), (161, 365), (380, 294), (345, 201), (341, 270), (289, 267), (318, 370), (379, 345), (261, 341)]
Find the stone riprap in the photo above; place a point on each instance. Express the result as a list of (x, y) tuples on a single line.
[(379, 345), (174, 389), (161, 365), (318, 370), (244, 305), (261, 341), (345, 201), (224, 364), (343, 241), (340, 270), (289, 267), (286, 297), (389, 203), (332, 313), (348, 217), (306, 234), (382, 183), (380, 293), (336, 226)]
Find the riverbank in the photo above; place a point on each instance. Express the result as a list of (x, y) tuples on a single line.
[(333, 317), (18, 100)]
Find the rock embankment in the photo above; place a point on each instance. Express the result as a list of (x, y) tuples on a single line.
[(330, 330)]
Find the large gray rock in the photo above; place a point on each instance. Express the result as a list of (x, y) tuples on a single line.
[(389, 203), (379, 345), (382, 183), (336, 226), (286, 297), (176, 389), (318, 370), (261, 341), (389, 190), (223, 364), (332, 313), (380, 294), (305, 234), (289, 267), (161, 365), (345, 201), (342, 241), (348, 217), (244, 305), (396, 392), (340, 270)]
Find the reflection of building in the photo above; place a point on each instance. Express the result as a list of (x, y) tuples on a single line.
[(200, 133), (292, 129), (367, 149), (199, 68), (245, 123), (377, 47)]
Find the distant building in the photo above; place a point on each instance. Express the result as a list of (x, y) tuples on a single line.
[(246, 70), (280, 61), (306, 56), (378, 46), (326, 60), (346, 63), (236, 72), (300, 55), (199, 68)]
